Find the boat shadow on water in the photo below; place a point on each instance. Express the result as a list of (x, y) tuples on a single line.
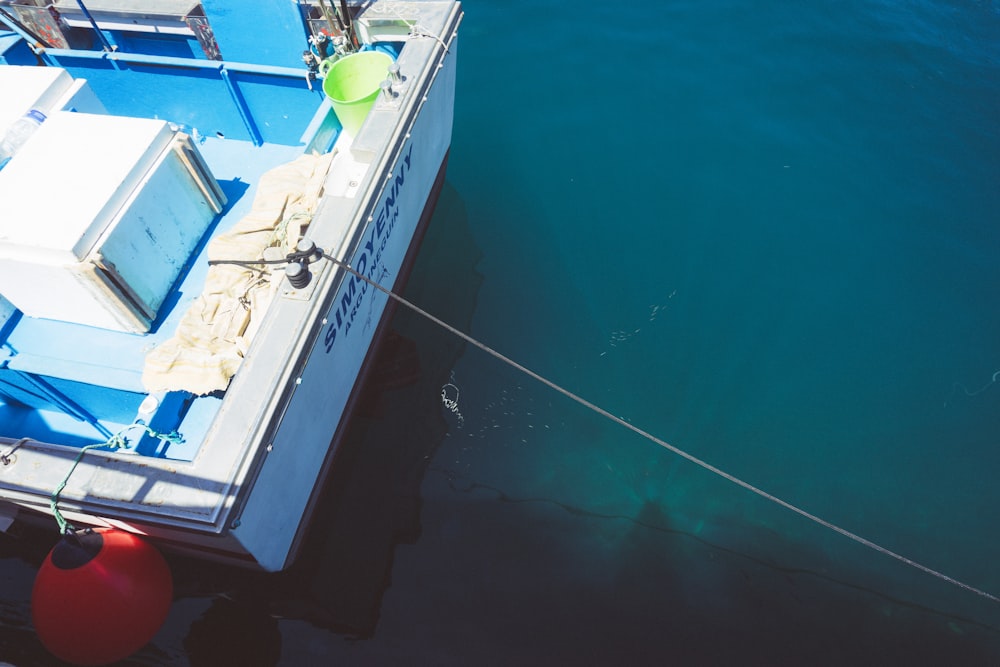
[(371, 502)]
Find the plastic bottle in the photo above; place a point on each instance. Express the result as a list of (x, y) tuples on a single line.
[(19, 133)]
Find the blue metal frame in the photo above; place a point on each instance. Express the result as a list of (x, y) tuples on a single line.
[(234, 96)]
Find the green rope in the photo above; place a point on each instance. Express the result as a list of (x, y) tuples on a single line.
[(117, 441)]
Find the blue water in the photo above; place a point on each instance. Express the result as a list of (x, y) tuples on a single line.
[(765, 233)]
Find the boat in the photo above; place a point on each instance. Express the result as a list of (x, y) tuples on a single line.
[(197, 245)]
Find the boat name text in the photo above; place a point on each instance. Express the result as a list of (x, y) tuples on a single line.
[(368, 261)]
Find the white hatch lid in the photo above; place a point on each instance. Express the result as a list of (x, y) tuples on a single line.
[(26, 87), (65, 186)]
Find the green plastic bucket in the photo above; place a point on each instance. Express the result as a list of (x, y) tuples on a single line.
[(352, 84)]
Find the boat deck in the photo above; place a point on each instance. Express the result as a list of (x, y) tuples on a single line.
[(100, 374), (260, 398)]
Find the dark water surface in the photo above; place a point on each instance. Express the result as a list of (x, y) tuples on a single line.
[(766, 233)]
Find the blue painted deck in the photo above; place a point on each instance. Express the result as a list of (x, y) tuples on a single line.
[(56, 370), (77, 385)]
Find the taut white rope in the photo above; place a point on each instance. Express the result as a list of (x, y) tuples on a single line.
[(662, 443)]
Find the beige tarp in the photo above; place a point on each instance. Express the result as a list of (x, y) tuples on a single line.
[(215, 333)]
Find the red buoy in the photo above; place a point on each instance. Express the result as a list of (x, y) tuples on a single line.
[(100, 596)]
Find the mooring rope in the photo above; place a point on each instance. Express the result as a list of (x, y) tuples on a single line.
[(116, 441), (659, 441)]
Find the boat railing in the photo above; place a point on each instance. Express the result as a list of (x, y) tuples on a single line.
[(232, 95)]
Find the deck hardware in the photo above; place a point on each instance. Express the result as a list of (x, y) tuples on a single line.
[(394, 75), (297, 271), (298, 274), (386, 87), (8, 457)]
